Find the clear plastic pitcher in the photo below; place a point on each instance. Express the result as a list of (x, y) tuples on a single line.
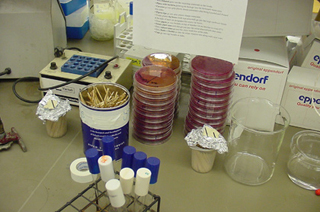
[(256, 132)]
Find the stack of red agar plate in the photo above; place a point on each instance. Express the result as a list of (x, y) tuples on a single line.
[(154, 96), (170, 61), (210, 93)]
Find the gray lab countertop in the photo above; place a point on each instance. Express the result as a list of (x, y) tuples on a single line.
[(39, 179)]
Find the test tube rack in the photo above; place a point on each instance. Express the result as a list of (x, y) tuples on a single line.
[(123, 35), (100, 202)]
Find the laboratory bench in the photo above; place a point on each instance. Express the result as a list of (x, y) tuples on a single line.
[(40, 180)]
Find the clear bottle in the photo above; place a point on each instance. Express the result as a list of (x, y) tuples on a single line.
[(116, 196), (102, 18)]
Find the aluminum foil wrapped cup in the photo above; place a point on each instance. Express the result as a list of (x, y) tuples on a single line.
[(205, 142), (52, 111)]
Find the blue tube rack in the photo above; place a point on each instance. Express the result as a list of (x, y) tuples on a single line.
[(82, 65)]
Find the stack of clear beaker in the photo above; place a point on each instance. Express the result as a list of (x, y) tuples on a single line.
[(154, 97), (210, 93)]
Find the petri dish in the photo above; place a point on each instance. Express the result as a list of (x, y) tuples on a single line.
[(156, 78), (152, 124), (211, 89), (212, 93), (209, 118), (204, 81), (152, 139), (206, 112), (211, 68), (157, 99), (162, 115), (146, 107), (151, 132), (209, 98), (150, 102), (208, 106), (159, 95), (163, 59)]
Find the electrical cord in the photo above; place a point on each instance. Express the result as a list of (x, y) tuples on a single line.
[(6, 71), (25, 79)]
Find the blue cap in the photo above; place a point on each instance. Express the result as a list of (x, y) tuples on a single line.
[(131, 8), (127, 156), (92, 156), (153, 165), (139, 161), (108, 146)]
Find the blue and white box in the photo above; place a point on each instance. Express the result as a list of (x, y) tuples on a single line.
[(70, 6), (262, 68), (78, 23), (301, 97)]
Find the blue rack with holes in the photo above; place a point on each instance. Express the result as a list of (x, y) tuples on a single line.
[(82, 65)]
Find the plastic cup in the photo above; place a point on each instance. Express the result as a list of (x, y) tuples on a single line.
[(304, 161), (255, 136), (57, 129), (202, 160)]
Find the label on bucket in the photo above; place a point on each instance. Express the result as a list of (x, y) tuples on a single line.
[(99, 122)]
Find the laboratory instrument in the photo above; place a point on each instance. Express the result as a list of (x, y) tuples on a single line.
[(7, 139), (118, 71)]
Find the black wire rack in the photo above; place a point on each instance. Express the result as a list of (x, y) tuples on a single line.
[(94, 199)]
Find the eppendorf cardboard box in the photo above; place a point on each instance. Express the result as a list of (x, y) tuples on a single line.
[(278, 18), (262, 68), (310, 53), (301, 97)]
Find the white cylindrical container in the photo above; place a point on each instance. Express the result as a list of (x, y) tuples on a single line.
[(106, 168), (98, 122), (142, 182), (126, 180), (115, 193)]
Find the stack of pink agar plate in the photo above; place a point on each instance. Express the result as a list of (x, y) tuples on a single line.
[(170, 61), (154, 96), (210, 94)]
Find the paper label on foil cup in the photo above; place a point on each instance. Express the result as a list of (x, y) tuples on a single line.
[(207, 137)]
